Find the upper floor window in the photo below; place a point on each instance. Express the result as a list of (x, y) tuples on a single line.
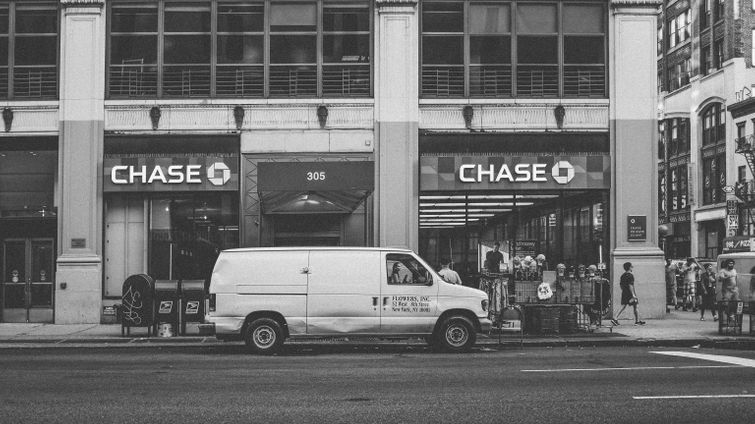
[(718, 53), (679, 28), (472, 48), (706, 61), (720, 9), (233, 48), (28, 50), (714, 124), (705, 14), (659, 42)]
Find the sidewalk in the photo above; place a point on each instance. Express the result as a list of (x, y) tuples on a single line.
[(678, 329)]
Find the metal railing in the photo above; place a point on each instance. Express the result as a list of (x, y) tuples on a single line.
[(186, 81), (240, 81), (584, 81), (293, 81), (490, 81), (537, 81), (133, 81), (443, 81), (345, 80), (35, 81)]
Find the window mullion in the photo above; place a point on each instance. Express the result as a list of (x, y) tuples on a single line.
[(11, 48), (213, 47), (466, 47), (266, 50), (160, 50), (319, 48), (514, 48), (560, 47)]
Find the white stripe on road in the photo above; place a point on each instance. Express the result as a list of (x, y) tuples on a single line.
[(692, 397), (734, 360), (632, 368)]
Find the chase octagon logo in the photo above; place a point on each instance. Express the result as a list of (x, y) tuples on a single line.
[(218, 173), (562, 172)]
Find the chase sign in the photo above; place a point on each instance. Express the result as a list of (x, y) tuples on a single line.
[(515, 172), (171, 173)]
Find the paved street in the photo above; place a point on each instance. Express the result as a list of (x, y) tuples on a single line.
[(376, 384)]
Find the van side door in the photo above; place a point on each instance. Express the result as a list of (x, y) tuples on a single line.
[(408, 296), (344, 292)]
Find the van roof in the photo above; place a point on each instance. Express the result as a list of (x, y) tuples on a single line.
[(737, 255), (298, 248)]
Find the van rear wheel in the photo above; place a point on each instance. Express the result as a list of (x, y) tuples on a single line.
[(264, 336), (457, 334)]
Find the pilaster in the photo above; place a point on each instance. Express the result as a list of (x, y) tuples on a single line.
[(82, 82), (634, 152), (397, 116)]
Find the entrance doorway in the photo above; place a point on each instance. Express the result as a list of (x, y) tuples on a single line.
[(28, 266)]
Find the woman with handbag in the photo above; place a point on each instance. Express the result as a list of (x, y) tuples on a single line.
[(628, 295)]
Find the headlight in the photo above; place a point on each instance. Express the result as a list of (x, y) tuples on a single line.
[(484, 305)]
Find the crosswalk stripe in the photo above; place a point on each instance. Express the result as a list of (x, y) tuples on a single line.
[(734, 360)]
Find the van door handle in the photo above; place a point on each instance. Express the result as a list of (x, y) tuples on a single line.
[(374, 301), (304, 270)]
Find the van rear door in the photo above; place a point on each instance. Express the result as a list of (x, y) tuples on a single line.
[(344, 292)]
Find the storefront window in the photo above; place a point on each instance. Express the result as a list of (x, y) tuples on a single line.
[(28, 50), (467, 49), (187, 232), (253, 48)]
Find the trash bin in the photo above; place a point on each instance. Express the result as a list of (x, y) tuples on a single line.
[(192, 302), (167, 307), (137, 307), (730, 317)]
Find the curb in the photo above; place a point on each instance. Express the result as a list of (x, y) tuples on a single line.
[(142, 342)]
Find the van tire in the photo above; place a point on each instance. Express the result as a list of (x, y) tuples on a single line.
[(457, 334), (263, 336)]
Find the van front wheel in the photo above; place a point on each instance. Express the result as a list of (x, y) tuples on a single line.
[(457, 334), (263, 336)]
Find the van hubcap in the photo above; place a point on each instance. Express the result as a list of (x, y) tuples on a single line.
[(264, 336), (457, 335)]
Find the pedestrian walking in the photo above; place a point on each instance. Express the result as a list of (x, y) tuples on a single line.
[(449, 275), (708, 292), (628, 295), (689, 272), (727, 278), (671, 270)]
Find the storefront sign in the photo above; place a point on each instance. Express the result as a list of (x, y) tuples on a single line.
[(732, 222), (171, 173), (523, 248), (515, 172), (637, 228), (739, 244), (732, 207), (315, 176)]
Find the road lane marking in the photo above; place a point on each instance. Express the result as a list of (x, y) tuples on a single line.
[(631, 368), (692, 397), (734, 360)]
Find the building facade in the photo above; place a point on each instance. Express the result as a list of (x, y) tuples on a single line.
[(705, 67), (146, 136)]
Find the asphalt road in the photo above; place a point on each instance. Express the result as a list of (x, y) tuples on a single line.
[(375, 385)]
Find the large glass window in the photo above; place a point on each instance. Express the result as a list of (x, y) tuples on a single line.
[(28, 50), (714, 124), (240, 48), (474, 48)]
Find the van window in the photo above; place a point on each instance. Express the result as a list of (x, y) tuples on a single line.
[(405, 269)]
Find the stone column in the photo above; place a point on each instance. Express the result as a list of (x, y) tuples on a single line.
[(397, 122), (78, 295), (634, 151)]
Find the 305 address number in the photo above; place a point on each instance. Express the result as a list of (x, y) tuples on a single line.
[(316, 176)]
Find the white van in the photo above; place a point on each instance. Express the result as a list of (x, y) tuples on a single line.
[(266, 295)]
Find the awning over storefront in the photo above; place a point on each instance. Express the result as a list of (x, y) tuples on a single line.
[(314, 187)]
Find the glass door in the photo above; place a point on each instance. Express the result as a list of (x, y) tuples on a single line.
[(28, 280)]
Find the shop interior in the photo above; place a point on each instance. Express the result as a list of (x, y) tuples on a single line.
[(565, 227)]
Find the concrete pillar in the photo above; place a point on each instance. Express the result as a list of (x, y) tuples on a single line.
[(82, 88), (397, 121), (634, 151)]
